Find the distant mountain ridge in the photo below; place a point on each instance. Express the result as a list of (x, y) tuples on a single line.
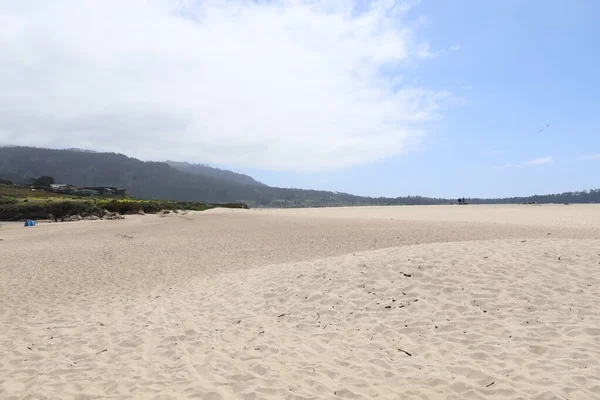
[(155, 180), (81, 150), (223, 174), (193, 182)]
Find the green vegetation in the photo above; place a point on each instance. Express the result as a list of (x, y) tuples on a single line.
[(43, 181), (21, 202)]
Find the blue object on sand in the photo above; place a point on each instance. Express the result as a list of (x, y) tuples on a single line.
[(29, 222)]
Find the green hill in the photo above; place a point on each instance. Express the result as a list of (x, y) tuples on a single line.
[(193, 182)]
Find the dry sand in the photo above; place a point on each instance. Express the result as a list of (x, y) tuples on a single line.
[(358, 303)]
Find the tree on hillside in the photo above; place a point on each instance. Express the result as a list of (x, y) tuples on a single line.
[(43, 181)]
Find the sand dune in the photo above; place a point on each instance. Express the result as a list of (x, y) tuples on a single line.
[(423, 302)]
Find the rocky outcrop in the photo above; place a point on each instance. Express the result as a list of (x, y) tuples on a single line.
[(135, 212), (112, 215), (94, 216), (164, 213)]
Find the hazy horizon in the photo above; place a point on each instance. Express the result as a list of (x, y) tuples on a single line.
[(450, 198)]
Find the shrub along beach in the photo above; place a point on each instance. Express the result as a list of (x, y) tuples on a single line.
[(19, 202)]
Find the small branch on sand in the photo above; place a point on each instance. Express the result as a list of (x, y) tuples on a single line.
[(405, 352), (102, 351)]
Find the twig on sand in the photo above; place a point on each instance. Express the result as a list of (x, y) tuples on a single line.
[(102, 351), (490, 384), (405, 352)]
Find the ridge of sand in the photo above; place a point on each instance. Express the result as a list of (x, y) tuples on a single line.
[(138, 309)]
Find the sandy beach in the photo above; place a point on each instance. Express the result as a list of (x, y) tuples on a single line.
[(440, 302)]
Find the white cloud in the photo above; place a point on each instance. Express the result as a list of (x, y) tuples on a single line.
[(539, 161), (291, 84), (424, 51), (530, 163), (509, 165), (590, 157)]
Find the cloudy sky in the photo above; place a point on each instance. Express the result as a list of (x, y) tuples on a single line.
[(369, 97)]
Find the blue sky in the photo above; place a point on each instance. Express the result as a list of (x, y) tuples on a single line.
[(373, 97), (521, 65)]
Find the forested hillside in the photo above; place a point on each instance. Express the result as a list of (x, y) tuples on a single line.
[(155, 180), (221, 174), (192, 182)]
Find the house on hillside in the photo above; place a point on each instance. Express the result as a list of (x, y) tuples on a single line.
[(63, 188), (87, 192), (108, 190)]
